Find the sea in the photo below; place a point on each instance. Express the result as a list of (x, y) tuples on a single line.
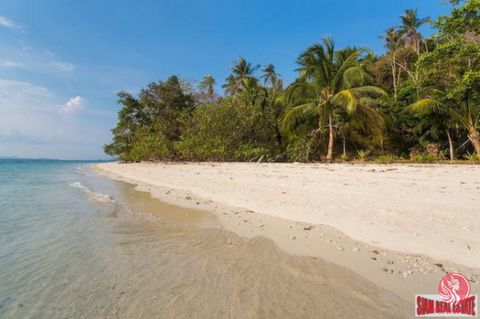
[(77, 244)]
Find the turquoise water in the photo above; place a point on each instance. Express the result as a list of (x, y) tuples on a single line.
[(46, 224), (75, 244)]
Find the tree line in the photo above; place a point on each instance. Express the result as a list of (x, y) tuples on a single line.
[(420, 101)]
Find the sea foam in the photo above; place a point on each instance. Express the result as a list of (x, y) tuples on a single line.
[(95, 196)]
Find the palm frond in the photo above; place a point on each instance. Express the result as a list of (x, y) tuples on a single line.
[(299, 92), (346, 99), (297, 115), (355, 76), (423, 106), (372, 91)]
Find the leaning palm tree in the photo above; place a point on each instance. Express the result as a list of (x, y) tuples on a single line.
[(328, 80), (207, 85), (409, 29), (463, 109)]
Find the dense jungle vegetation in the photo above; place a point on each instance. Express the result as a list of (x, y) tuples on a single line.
[(420, 101)]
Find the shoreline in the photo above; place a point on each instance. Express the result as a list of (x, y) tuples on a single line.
[(405, 273)]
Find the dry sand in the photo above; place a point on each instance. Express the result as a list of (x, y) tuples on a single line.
[(400, 226)]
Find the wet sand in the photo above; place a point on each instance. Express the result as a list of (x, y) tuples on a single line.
[(168, 261), (404, 272)]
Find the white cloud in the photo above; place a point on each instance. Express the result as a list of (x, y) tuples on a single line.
[(15, 93), (11, 64), (73, 105), (63, 66), (9, 24)]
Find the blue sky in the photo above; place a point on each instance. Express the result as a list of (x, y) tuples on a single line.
[(61, 62)]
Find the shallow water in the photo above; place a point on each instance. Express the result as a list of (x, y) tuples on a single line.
[(74, 244)]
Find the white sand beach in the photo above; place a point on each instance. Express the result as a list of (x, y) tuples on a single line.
[(400, 226)]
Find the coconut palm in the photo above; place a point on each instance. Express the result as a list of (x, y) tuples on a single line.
[(392, 42), (231, 86), (462, 108), (435, 118), (242, 69), (328, 80), (408, 30), (207, 85), (269, 75), (392, 39)]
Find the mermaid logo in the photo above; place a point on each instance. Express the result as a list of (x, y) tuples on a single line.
[(454, 287), (454, 299)]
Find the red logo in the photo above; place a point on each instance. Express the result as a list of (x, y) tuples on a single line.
[(453, 300), (454, 287)]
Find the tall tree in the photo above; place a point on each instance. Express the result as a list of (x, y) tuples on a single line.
[(269, 75), (450, 75), (408, 29), (231, 85), (158, 111), (207, 86), (242, 69), (328, 80), (392, 42)]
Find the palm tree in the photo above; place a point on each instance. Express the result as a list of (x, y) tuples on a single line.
[(409, 29), (463, 109), (392, 39), (440, 119), (207, 85), (243, 69), (328, 80), (231, 85), (270, 75), (392, 42)]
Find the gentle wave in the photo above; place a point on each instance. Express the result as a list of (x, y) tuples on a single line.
[(96, 196)]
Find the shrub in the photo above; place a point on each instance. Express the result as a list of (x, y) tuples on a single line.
[(363, 154), (149, 144), (425, 158), (385, 159), (474, 157)]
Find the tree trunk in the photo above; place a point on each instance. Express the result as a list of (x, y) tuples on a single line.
[(394, 75), (474, 137), (450, 145), (330, 138)]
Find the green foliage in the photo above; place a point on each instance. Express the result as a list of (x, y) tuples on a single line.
[(150, 144), (344, 157), (385, 159), (330, 81), (363, 154), (474, 157), (150, 124), (234, 129), (422, 97), (424, 158)]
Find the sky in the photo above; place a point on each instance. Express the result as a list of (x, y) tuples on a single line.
[(62, 62)]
